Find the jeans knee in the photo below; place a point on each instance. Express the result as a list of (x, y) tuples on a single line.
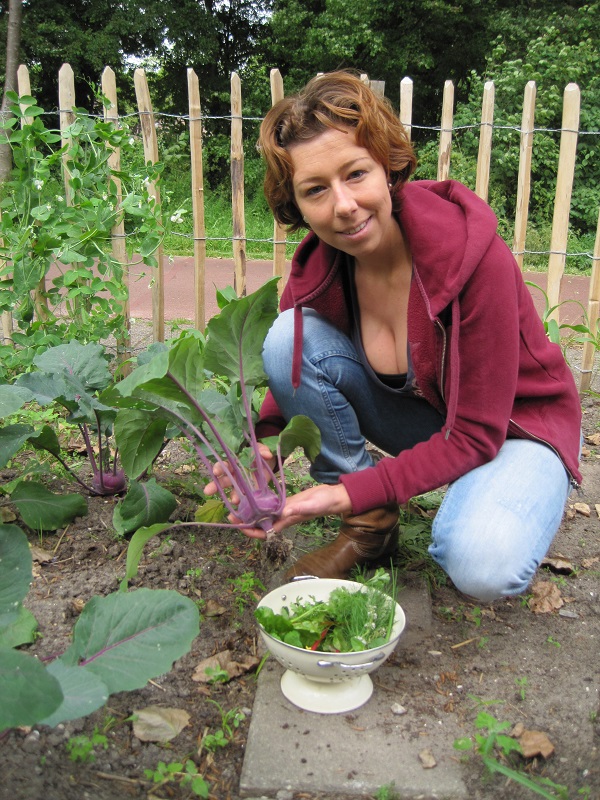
[(487, 578)]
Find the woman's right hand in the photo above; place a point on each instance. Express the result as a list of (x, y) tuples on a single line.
[(223, 481)]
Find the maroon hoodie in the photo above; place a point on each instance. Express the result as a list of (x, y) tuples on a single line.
[(478, 347)]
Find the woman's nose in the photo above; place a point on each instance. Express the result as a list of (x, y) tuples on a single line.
[(344, 202)]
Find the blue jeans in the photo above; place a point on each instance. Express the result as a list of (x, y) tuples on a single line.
[(495, 523)]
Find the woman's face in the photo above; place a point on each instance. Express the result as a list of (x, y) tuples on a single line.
[(343, 194)]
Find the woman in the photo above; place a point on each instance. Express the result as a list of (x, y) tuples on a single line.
[(406, 323)]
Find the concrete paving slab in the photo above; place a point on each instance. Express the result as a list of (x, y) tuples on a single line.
[(353, 753)]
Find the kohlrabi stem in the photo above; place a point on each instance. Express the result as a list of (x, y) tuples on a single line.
[(88, 446)]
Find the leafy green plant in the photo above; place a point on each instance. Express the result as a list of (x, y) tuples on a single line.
[(494, 739), (203, 386), (230, 722), (179, 773), (71, 377), (246, 588), (119, 642), (521, 684), (44, 225), (82, 748)]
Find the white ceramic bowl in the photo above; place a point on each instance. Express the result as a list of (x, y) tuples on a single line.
[(327, 683)]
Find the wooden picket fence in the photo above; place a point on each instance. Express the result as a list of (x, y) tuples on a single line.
[(560, 223)]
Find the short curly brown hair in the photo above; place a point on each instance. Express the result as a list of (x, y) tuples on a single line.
[(334, 100)]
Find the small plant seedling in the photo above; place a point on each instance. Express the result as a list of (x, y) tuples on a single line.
[(230, 722), (521, 684), (183, 774), (82, 748), (216, 675), (494, 739), (553, 641), (246, 590), (387, 792)]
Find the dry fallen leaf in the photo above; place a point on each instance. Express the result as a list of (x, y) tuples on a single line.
[(559, 564), (40, 555), (427, 760), (223, 661), (587, 563), (156, 724), (535, 743), (582, 508), (545, 597), (7, 514), (594, 438), (214, 609)]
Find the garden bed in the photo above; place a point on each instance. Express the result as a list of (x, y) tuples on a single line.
[(513, 660)]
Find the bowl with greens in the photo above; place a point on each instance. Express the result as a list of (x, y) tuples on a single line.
[(329, 635)]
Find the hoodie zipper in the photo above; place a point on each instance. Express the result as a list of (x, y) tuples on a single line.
[(533, 438), (443, 364)]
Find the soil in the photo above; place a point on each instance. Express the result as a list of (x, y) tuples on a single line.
[(538, 669)]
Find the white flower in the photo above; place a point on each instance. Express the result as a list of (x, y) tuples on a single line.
[(131, 140), (59, 198), (177, 218), (38, 185)]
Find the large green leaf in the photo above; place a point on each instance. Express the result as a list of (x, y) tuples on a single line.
[(300, 432), (236, 335), (83, 692), (186, 364), (144, 504), (15, 572), (28, 692), (84, 364), (128, 638), (45, 389), (155, 368), (139, 437), (136, 548), (12, 398), (21, 631), (12, 438), (42, 510)]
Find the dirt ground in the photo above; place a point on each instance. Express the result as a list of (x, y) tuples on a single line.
[(538, 669)]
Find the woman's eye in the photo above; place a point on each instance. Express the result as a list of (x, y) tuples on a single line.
[(314, 190), (358, 173)]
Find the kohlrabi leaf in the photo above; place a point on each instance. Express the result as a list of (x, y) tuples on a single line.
[(21, 631), (155, 368), (235, 337), (83, 692), (15, 572), (46, 439), (211, 511), (127, 638), (12, 438), (42, 510), (82, 363), (139, 437), (300, 432), (12, 398), (136, 548), (144, 504), (186, 364), (28, 692)]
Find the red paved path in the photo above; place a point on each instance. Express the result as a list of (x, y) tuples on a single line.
[(179, 288)]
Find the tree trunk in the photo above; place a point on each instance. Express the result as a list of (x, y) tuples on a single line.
[(13, 43)]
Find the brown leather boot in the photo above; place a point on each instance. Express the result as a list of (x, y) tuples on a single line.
[(367, 538)]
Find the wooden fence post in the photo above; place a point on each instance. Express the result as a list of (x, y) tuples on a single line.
[(151, 154), (562, 200), (111, 114), (406, 104), (237, 187), (197, 200), (446, 132), (279, 233), (484, 155), (593, 312), (524, 178)]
